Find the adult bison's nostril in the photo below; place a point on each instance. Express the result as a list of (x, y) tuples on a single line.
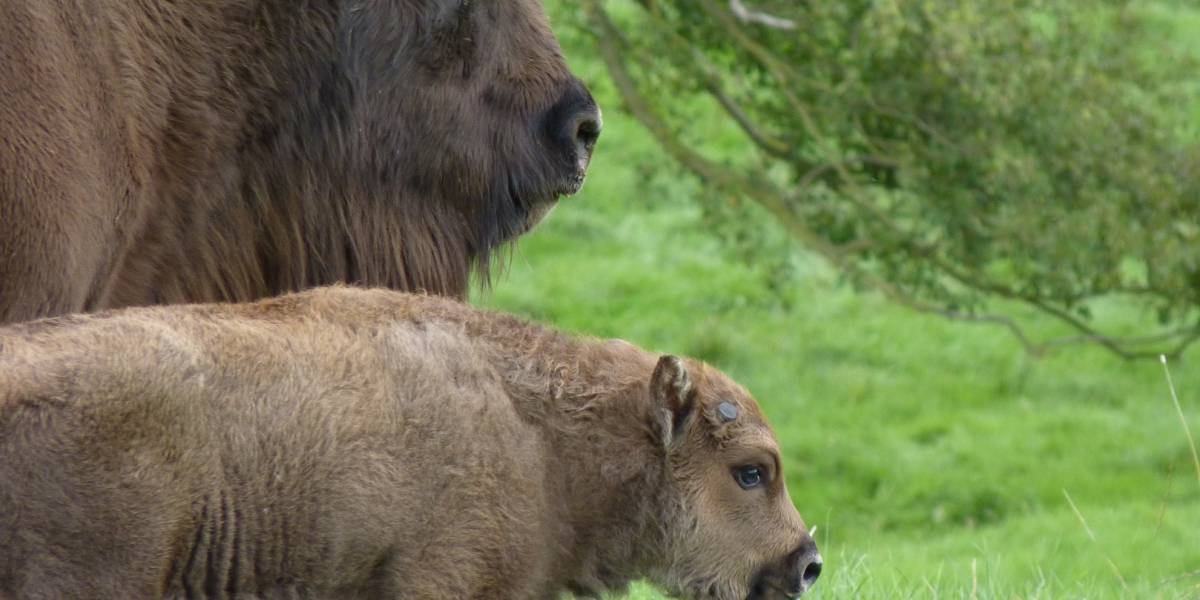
[(580, 133), (574, 124), (587, 125)]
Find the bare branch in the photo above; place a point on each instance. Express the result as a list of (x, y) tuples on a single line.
[(1118, 345), (868, 159), (780, 71), (759, 17), (1032, 348), (712, 81), (911, 119)]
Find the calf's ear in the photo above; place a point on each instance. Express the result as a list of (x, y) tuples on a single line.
[(673, 396)]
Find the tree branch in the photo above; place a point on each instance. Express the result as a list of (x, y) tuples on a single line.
[(868, 159), (713, 82), (781, 72), (767, 142), (778, 203), (762, 18), (762, 191)]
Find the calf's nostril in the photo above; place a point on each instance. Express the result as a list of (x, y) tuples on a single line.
[(811, 573), (804, 569)]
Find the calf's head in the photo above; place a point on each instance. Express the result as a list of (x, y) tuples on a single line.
[(732, 531)]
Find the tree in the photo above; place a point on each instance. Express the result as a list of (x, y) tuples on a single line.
[(966, 158)]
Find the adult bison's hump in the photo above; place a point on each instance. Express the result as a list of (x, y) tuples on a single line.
[(230, 150)]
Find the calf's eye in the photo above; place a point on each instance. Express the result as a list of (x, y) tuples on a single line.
[(748, 477)]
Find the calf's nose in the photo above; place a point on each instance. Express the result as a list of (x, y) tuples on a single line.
[(804, 567)]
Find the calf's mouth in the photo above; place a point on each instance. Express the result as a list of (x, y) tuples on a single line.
[(766, 589), (797, 574)]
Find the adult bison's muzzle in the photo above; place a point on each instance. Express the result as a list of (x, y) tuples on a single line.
[(566, 138), (573, 125)]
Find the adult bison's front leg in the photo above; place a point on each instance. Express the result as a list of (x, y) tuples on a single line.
[(61, 163)]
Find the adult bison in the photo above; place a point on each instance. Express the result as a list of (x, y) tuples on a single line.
[(195, 150), (345, 443)]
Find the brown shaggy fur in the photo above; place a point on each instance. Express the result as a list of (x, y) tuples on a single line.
[(202, 150), (346, 443)]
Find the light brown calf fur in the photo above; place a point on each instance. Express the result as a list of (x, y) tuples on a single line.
[(347, 443)]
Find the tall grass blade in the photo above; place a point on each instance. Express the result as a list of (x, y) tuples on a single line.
[(1182, 420), (1091, 535)]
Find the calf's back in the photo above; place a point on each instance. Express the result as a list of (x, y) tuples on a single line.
[(214, 453)]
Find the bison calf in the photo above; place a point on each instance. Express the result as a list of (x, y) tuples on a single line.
[(346, 443)]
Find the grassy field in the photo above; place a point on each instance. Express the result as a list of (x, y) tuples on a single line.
[(935, 458)]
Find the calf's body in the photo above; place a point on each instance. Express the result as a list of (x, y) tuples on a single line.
[(344, 443)]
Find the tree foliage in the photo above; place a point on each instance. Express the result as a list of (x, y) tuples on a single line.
[(968, 158)]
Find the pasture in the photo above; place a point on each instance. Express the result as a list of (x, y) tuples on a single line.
[(935, 458)]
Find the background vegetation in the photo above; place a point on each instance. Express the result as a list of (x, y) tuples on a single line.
[(960, 157), (937, 458)]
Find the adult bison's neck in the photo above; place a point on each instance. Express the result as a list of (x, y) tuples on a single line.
[(591, 401), (272, 158)]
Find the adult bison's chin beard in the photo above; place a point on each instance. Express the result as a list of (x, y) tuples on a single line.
[(518, 199), (533, 205), (542, 206), (511, 207)]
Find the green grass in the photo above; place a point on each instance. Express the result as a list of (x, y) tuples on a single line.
[(932, 455), (917, 446)]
